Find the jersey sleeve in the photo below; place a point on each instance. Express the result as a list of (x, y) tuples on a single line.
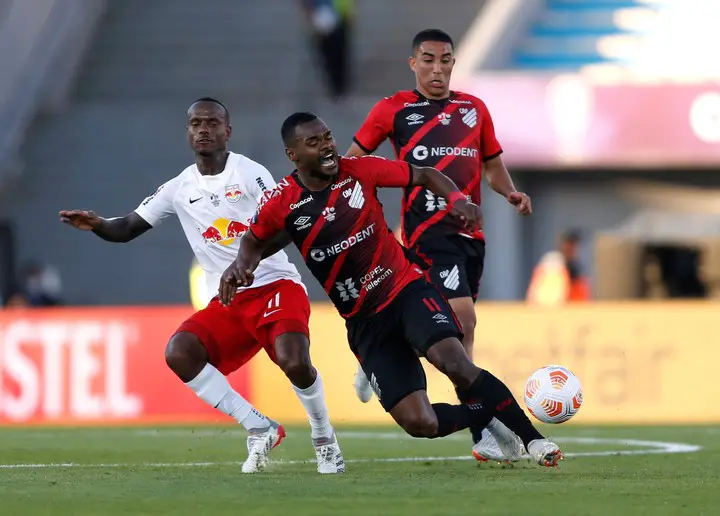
[(269, 220), (258, 182), (382, 172), (159, 205), (376, 128), (488, 141)]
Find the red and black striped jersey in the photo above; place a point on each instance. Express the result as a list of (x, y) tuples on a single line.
[(455, 135), (342, 234)]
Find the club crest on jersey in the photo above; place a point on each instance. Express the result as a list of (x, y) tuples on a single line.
[(469, 117), (232, 193), (444, 118)]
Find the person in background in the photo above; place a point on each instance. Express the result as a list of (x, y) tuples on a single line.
[(557, 278), (331, 22)]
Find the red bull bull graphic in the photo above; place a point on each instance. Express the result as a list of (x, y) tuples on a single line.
[(232, 193), (224, 231)]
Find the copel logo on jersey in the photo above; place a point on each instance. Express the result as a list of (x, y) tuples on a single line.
[(224, 231), (232, 193), (421, 152)]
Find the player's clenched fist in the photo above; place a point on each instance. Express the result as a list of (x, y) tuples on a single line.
[(521, 201)]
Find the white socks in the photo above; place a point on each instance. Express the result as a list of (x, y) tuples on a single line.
[(313, 399), (212, 387)]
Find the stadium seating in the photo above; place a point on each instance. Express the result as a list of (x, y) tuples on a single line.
[(647, 36)]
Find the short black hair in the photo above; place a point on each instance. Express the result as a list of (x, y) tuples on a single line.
[(287, 131), (214, 101), (571, 236), (431, 35)]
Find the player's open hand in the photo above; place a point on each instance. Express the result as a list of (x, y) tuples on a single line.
[(80, 219), (235, 276), (521, 201), (469, 214)]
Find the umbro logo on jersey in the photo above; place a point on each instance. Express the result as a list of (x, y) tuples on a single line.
[(415, 118), (302, 223), (470, 118), (440, 318), (195, 200)]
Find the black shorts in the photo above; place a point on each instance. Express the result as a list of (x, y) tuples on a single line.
[(456, 264), (389, 343)]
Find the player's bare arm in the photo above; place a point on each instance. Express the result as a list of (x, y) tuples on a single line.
[(355, 151), (240, 272), (498, 177), (276, 244), (117, 229), (441, 185)]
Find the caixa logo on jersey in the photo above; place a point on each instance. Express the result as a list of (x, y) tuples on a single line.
[(421, 152)]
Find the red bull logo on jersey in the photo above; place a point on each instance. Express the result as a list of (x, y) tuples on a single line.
[(232, 193), (224, 232)]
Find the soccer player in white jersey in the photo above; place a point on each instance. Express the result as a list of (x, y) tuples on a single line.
[(215, 198)]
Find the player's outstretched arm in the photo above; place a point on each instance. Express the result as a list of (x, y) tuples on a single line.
[(240, 272), (442, 186), (117, 229), (498, 177)]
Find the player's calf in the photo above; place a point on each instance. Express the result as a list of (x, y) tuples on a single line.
[(188, 359), (415, 415)]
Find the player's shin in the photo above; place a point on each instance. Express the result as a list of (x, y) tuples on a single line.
[(313, 399), (212, 387), (453, 418), (498, 399)]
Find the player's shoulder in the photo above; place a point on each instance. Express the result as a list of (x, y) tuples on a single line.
[(398, 100), (461, 97), (252, 173), (281, 193)]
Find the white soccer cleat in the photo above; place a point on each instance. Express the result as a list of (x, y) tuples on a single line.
[(498, 443), (362, 386), (487, 449), (509, 443), (259, 444), (545, 452), (329, 456)]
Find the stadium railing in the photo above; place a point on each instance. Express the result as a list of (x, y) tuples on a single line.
[(45, 40)]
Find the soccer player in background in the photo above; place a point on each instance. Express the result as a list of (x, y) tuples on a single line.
[(452, 132), (330, 210), (215, 198)]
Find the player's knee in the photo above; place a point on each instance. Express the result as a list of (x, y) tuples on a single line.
[(420, 425), (185, 355), (292, 355)]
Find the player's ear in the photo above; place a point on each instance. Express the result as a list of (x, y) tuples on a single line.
[(412, 61), (291, 154), (228, 132)]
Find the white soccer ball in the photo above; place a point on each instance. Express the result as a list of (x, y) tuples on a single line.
[(553, 394)]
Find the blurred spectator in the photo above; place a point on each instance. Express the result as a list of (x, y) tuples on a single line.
[(557, 278), (331, 24), (41, 287)]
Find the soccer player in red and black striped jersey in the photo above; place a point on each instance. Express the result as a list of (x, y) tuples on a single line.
[(453, 132), (329, 209)]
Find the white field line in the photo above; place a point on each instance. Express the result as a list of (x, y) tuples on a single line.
[(649, 448)]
